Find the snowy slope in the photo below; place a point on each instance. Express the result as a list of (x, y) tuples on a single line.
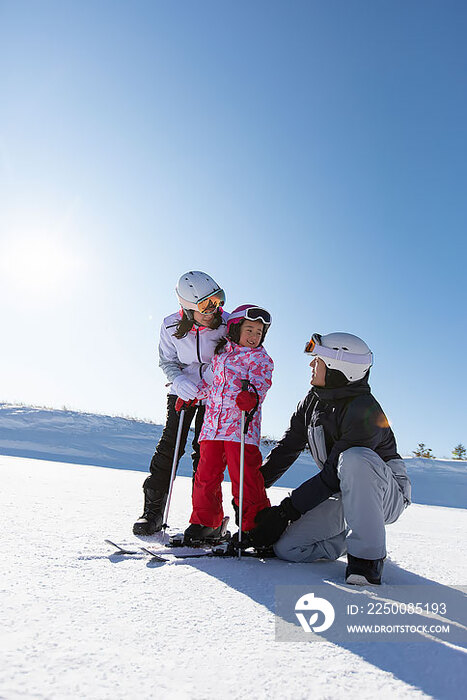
[(108, 441), (79, 622)]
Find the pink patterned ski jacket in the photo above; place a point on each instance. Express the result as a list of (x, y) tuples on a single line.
[(222, 419)]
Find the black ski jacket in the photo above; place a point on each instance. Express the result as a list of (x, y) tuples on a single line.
[(331, 421)]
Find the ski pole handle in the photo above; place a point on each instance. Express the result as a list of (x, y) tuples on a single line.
[(249, 414), (181, 405)]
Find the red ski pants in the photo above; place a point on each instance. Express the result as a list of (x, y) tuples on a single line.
[(207, 489)]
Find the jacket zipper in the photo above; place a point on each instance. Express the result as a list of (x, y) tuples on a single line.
[(198, 353), (317, 458), (197, 344)]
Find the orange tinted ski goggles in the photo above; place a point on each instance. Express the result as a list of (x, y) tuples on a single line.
[(210, 304), (315, 340)]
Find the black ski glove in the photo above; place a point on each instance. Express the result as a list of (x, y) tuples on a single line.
[(272, 523)]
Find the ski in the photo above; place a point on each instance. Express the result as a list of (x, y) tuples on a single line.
[(221, 555), (222, 550), (155, 556), (226, 550), (121, 551)]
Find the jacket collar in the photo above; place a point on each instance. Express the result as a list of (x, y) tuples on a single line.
[(344, 392), (230, 346)]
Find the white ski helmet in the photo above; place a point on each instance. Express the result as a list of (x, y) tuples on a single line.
[(197, 291), (342, 351)]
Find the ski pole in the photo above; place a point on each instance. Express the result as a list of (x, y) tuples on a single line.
[(174, 467), (240, 495), (243, 431)]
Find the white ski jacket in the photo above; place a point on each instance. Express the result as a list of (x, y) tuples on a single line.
[(190, 355)]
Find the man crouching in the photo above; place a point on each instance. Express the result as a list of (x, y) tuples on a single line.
[(363, 482)]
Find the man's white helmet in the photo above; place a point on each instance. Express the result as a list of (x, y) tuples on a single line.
[(194, 288), (344, 352)]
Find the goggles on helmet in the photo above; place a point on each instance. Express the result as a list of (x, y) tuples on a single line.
[(253, 313), (211, 303), (336, 354), (315, 340)]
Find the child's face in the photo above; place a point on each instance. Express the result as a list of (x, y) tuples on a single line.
[(251, 333)]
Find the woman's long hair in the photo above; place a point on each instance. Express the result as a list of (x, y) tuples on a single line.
[(187, 321)]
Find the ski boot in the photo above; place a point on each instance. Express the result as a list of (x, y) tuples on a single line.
[(153, 516), (198, 535), (362, 572)]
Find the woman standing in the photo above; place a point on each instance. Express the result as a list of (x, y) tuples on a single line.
[(188, 339)]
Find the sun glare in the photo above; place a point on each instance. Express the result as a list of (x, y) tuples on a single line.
[(40, 265)]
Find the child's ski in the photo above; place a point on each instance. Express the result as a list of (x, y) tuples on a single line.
[(155, 556), (228, 553), (223, 549), (121, 551)]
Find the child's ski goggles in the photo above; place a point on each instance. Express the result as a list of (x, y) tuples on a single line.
[(211, 303), (252, 313), (256, 313)]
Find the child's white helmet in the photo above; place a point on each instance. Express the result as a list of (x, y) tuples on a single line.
[(197, 291), (342, 351)]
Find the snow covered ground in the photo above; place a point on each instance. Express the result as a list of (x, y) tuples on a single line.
[(121, 443), (80, 622)]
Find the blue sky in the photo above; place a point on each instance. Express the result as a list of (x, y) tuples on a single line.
[(310, 156)]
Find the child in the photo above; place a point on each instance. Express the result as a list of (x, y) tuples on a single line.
[(237, 357)]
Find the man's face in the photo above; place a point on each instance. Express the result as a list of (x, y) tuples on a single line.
[(318, 372)]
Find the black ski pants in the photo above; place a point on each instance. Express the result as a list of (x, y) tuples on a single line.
[(161, 463)]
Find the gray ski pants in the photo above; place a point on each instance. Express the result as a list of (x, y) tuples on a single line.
[(352, 520)]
